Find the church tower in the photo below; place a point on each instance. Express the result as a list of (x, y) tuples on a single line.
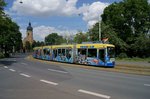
[(29, 35)]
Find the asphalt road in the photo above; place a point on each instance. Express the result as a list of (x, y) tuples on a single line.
[(24, 79)]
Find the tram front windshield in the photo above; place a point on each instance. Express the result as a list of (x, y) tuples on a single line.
[(111, 52)]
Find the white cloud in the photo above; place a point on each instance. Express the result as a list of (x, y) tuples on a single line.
[(59, 7), (40, 32), (91, 23), (149, 1), (44, 7), (70, 7), (93, 11)]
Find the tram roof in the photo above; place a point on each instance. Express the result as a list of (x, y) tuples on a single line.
[(62, 46), (94, 45)]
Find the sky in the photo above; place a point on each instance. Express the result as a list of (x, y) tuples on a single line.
[(65, 17)]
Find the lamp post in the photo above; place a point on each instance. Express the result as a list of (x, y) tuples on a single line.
[(21, 1), (99, 29)]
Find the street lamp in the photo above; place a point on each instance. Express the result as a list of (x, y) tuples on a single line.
[(99, 28), (21, 2)]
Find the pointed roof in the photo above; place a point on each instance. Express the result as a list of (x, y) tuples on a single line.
[(29, 27)]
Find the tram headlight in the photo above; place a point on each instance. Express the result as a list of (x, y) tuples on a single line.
[(112, 59)]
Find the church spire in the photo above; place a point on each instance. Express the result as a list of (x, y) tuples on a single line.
[(29, 27), (29, 23)]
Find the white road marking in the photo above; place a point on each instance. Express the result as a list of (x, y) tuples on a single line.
[(147, 85), (57, 71), (48, 82), (5, 67), (24, 63), (25, 75), (94, 94), (12, 70)]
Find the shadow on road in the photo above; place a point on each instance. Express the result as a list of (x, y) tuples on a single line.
[(13, 59), (7, 62)]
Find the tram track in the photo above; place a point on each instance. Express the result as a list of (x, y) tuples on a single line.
[(129, 69)]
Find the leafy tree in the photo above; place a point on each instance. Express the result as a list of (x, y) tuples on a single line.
[(130, 24), (10, 36), (141, 47), (37, 44), (129, 18), (80, 37), (53, 39), (2, 5), (33, 44), (109, 32), (94, 33)]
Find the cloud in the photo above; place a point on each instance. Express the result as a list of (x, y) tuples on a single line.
[(47, 8), (44, 7), (70, 7), (40, 32), (92, 12)]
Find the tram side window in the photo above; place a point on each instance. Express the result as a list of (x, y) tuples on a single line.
[(102, 54), (92, 52), (82, 51), (68, 53), (59, 52), (48, 52), (44, 51), (63, 52), (55, 52)]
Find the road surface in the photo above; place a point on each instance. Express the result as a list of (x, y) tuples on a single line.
[(24, 79)]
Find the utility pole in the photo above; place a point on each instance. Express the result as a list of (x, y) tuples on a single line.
[(99, 29)]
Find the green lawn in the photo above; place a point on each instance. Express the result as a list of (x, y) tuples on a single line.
[(135, 59)]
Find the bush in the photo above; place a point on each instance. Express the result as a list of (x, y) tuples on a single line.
[(1, 55), (122, 55)]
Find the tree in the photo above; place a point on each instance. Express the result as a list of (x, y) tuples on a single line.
[(141, 47), (109, 32), (80, 37), (10, 36), (54, 39), (130, 22), (2, 5), (129, 18), (94, 33), (37, 44)]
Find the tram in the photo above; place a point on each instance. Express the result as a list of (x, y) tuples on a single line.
[(96, 54)]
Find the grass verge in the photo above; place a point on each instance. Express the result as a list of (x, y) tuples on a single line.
[(135, 59)]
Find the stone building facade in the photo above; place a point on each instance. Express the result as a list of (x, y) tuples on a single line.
[(29, 36)]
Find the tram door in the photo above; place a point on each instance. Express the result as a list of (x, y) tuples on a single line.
[(55, 53), (102, 54)]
